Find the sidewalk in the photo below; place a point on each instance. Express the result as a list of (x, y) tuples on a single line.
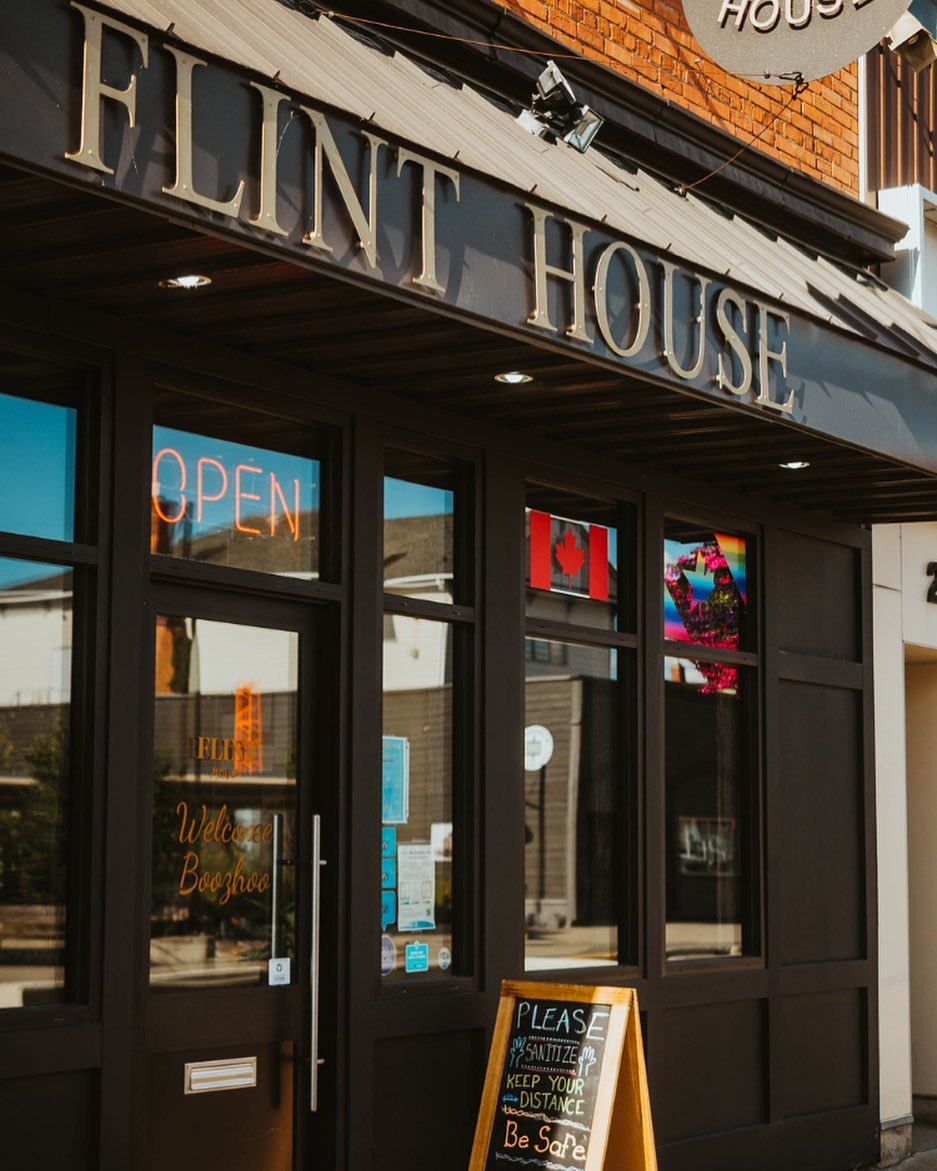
[(924, 1148)]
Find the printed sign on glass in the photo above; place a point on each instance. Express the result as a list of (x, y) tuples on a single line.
[(395, 779), (416, 892)]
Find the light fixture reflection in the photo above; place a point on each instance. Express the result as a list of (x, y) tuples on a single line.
[(795, 465), (191, 280), (513, 377)]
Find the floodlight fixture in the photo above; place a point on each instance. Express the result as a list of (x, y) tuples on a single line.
[(555, 114), (914, 36)]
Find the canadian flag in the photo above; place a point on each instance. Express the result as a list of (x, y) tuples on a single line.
[(568, 556)]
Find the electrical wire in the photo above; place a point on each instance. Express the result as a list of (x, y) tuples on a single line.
[(799, 85)]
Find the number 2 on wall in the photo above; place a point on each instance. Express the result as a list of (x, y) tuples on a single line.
[(932, 588)]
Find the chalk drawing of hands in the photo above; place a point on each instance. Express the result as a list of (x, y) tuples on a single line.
[(587, 1059), (518, 1045)]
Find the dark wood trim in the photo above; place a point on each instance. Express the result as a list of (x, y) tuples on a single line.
[(799, 668), (224, 577), (122, 1066), (47, 551), (363, 816)]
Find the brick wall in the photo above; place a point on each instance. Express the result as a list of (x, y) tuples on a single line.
[(817, 133)]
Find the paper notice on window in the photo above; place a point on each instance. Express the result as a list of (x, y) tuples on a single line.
[(416, 888)]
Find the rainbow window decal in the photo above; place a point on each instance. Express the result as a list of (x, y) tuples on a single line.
[(705, 598)]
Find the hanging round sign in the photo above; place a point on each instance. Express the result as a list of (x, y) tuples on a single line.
[(783, 42)]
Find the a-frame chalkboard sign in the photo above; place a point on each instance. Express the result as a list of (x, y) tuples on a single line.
[(566, 1087)]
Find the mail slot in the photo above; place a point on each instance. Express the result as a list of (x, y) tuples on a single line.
[(205, 1077)]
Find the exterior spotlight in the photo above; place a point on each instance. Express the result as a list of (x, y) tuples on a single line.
[(795, 465), (555, 114), (913, 35), (513, 377)]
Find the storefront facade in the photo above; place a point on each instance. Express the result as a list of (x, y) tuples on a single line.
[(286, 572)]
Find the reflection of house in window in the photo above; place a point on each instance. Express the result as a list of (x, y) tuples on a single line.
[(417, 564), (539, 650)]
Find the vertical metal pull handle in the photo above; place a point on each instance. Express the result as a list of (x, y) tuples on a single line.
[(275, 901), (314, 1059)]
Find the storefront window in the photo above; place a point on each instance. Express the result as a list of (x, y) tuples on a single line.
[(37, 472), (35, 727), (245, 493), (579, 884), (419, 537), (711, 758), (428, 589), (224, 816), (419, 830), (572, 800)]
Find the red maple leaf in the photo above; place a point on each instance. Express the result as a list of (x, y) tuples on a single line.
[(569, 555)]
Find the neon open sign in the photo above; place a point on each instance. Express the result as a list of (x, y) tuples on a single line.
[(212, 485), (204, 488)]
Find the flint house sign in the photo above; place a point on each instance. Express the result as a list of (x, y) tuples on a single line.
[(122, 110), (328, 191)]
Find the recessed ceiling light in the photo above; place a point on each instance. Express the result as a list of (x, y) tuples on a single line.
[(513, 377), (795, 465), (191, 280)]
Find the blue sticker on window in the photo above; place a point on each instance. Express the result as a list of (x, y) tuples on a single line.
[(416, 957), (388, 908)]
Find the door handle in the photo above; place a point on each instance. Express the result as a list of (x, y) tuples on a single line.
[(314, 1059), (275, 901)]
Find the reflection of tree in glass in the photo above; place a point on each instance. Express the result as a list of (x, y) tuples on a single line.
[(32, 833)]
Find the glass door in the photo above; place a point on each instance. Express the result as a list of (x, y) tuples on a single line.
[(236, 1055)]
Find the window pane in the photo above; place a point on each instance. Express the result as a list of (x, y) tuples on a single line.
[(572, 784), (705, 595), (35, 691), (419, 514), (572, 558), (419, 837), (37, 472), (224, 817), (711, 808), (244, 493)]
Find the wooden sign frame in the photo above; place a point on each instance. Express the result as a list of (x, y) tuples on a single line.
[(622, 1134)]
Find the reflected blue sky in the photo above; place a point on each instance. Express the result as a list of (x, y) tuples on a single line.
[(14, 573), (404, 498), (37, 469)]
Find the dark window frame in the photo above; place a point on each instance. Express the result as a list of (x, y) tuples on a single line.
[(466, 632), (752, 868), (626, 639)]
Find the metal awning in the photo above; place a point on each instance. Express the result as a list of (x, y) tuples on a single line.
[(320, 59), (870, 433)]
